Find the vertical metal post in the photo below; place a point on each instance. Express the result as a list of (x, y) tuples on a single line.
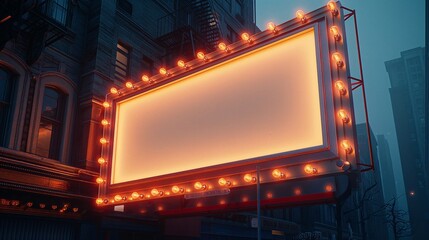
[(258, 201)]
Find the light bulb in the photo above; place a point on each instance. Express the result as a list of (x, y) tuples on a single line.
[(113, 90), (272, 27), (223, 182), (246, 37), (99, 180), (344, 116), (135, 195), (310, 169), (341, 87), (104, 122), (277, 173), (99, 201), (248, 178), (176, 189), (201, 56), (129, 85), (182, 64), (332, 7), (106, 104), (103, 140), (338, 59), (222, 46), (145, 78), (199, 186), (154, 192), (163, 71), (336, 33), (346, 146), (301, 16), (101, 160), (117, 198)]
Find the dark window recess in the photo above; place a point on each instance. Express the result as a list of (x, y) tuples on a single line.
[(58, 10), (125, 6), (26, 127), (51, 123), (6, 90), (122, 62), (231, 35), (238, 10)]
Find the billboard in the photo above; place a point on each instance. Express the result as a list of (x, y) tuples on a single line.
[(274, 105)]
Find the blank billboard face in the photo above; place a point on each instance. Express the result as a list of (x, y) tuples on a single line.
[(261, 103)]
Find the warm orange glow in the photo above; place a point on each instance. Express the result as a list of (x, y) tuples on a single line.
[(336, 33), (199, 186), (181, 64), (129, 84), (329, 188), (246, 37), (338, 59), (297, 191), (223, 182), (248, 178), (310, 169), (222, 46), (272, 27), (163, 71), (104, 122), (300, 15), (103, 140), (277, 173), (154, 192), (101, 160), (341, 87), (176, 189), (135, 195), (201, 56), (99, 180), (222, 115), (106, 104), (99, 201), (346, 146), (332, 7), (117, 198), (145, 78), (344, 116), (114, 90), (270, 195)]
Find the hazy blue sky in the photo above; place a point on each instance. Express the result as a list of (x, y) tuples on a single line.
[(386, 27)]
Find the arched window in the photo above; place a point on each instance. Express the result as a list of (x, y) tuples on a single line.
[(51, 123), (6, 90)]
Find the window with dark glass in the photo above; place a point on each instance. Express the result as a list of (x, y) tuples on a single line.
[(58, 10), (147, 65), (122, 61), (238, 10), (6, 89), (231, 35), (51, 123), (124, 6)]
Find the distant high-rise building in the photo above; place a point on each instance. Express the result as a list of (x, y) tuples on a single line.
[(407, 92), (386, 168)]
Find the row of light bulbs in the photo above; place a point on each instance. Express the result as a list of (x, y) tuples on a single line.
[(248, 178)]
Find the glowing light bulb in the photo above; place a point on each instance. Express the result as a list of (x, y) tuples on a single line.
[(341, 87), (338, 59), (182, 64), (272, 27), (103, 140), (99, 201), (117, 198), (101, 160), (223, 182), (329, 188), (113, 90), (145, 78), (104, 122), (201, 56), (277, 173), (346, 146), (176, 189), (344, 116), (222, 46), (310, 169), (246, 37), (297, 191), (135, 195), (332, 7), (154, 192), (248, 178), (163, 71), (336, 33), (99, 180), (129, 85), (106, 104), (301, 16), (199, 186)]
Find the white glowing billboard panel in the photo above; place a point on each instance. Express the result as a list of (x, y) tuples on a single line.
[(265, 102)]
